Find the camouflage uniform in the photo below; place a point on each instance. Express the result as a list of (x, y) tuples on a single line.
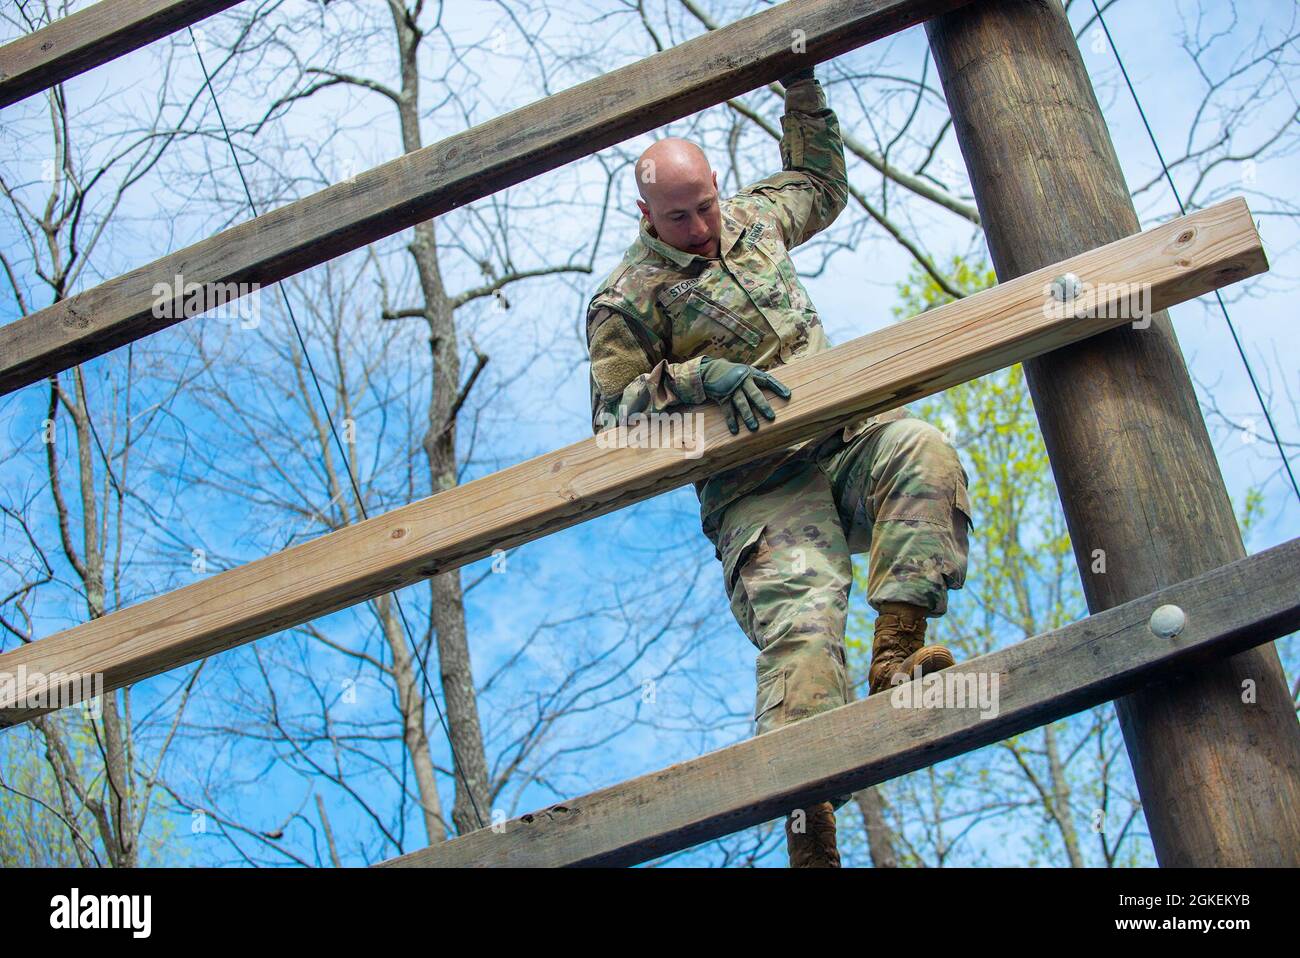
[(783, 525)]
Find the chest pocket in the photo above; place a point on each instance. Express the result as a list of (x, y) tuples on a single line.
[(715, 312)]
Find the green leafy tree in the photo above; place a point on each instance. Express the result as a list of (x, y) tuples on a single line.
[(1057, 795)]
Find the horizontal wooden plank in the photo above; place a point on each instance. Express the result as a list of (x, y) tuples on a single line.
[(955, 343), (1034, 682), (415, 187), (91, 37)]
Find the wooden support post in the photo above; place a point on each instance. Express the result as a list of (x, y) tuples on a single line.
[(953, 344), (91, 37), (1040, 680), (1216, 754), (415, 187)]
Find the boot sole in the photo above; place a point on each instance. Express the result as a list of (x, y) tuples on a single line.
[(931, 658)]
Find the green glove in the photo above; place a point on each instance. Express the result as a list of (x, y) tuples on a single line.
[(735, 387), (791, 78)]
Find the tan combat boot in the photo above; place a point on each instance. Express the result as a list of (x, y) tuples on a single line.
[(814, 847), (899, 646)]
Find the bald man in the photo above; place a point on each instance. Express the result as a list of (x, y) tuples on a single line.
[(704, 306)]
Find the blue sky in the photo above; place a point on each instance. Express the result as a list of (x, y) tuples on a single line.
[(704, 701)]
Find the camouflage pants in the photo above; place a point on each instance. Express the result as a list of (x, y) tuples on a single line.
[(898, 492)]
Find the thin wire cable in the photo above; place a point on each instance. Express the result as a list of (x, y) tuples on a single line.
[(311, 368), (1277, 440)]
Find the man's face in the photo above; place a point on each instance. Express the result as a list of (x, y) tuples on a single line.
[(686, 215)]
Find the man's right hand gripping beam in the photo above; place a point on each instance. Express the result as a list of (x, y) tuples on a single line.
[(735, 387)]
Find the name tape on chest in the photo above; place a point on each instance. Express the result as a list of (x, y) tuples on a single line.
[(678, 290)]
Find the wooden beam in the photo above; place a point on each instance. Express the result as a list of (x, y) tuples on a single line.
[(415, 187), (92, 37), (1137, 474), (955, 343), (1040, 680)]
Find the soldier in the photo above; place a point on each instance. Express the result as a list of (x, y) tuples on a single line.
[(703, 305)]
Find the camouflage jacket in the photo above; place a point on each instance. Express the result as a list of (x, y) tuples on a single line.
[(662, 310)]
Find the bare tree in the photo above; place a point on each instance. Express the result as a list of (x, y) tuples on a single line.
[(73, 550)]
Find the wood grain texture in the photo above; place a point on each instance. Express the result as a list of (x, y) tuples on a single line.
[(1130, 453), (942, 347), (91, 37), (873, 740), (417, 186)]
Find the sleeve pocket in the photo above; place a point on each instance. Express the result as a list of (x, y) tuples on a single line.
[(963, 504)]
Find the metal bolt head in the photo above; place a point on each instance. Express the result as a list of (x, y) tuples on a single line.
[(1066, 287), (1168, 621)]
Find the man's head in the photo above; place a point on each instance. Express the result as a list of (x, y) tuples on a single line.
[(679, 196)]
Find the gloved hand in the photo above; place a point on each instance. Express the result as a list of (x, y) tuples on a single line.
[(735, 387), (805, 73)]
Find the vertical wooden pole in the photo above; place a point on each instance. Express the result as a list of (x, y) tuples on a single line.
[(1219, 777)]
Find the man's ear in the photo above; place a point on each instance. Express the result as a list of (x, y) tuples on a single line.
[(715, 181), (645, 210)]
